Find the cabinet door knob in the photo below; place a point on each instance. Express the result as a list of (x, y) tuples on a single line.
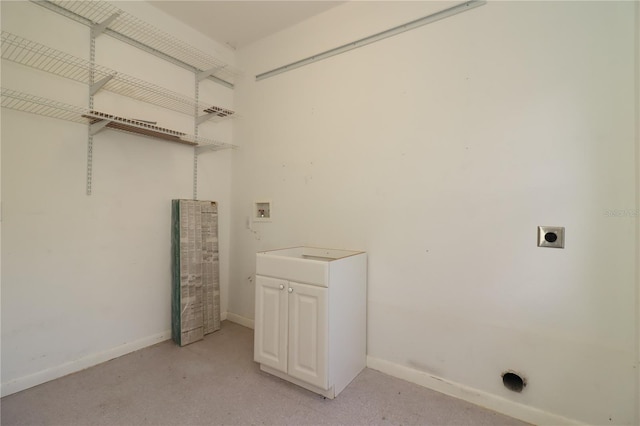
[(290, 290), (281, 286)]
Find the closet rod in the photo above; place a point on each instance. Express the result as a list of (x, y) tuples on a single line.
[(454, 10)]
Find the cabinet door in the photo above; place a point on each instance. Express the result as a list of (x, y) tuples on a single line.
[(308, 325), (270, 334)]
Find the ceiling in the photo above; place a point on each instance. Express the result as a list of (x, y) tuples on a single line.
[(239, 23)]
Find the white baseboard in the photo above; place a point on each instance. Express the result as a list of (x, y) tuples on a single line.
[(52, 373), (475, 396), (239, 319)]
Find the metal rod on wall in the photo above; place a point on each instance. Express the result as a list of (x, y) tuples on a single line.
[(463, 7)]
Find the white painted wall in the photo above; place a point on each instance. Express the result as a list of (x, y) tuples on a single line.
[(439, 152), (85, 279)]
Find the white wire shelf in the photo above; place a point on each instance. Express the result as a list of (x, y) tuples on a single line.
[(26, 102), (132, 30), (41, 57)]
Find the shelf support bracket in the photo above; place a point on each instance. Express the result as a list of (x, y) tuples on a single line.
[(97, 127), (95, 87), (206, 148), (206, 117), (98, 29), (208, 73)]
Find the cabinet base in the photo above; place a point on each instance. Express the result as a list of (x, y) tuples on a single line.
[(329, 393)]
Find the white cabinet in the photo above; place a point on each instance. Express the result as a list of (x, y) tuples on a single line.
[(271, 330), (291, 335), (310, 318), (308, 330)]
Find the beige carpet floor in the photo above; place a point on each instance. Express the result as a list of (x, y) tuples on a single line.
[(216, 382)]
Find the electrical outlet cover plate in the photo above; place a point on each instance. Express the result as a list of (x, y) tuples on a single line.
[(551, 236)]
